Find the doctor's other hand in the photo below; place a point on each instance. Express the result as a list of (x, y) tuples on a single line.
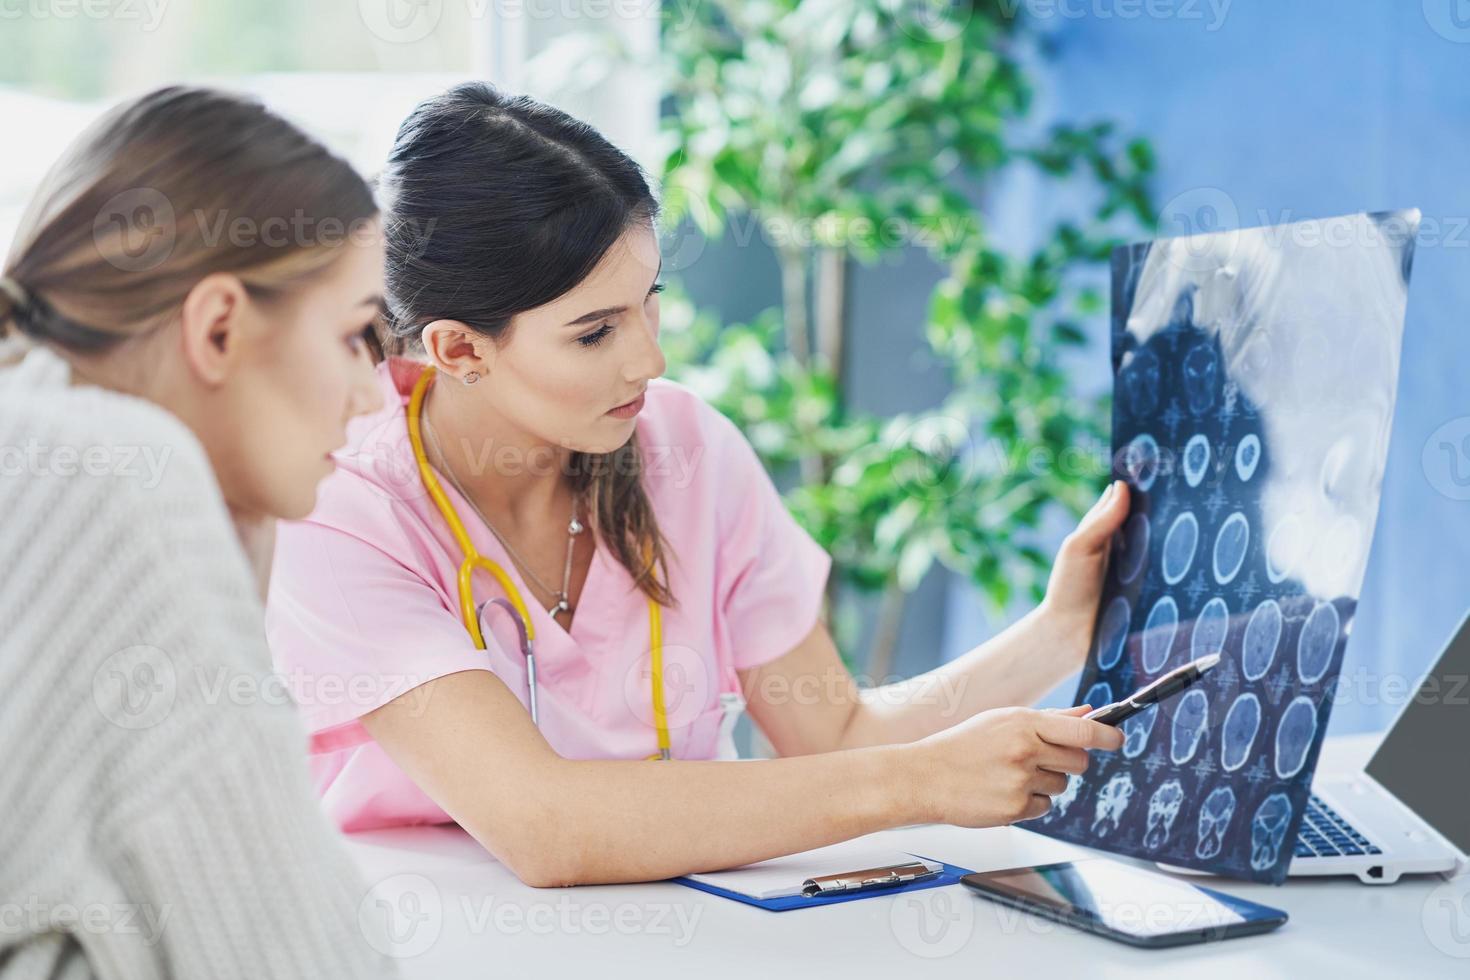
[(1075, 587), (1005, 764)]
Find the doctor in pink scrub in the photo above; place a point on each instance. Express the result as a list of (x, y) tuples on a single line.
[(660, 577)]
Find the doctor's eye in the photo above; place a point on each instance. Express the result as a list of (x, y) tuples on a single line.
[(595, 337), (361, 340)]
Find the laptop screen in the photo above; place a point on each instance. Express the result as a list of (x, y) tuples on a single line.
[(1425, 760)]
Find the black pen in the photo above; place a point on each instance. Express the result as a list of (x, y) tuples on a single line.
[(1167, 686)]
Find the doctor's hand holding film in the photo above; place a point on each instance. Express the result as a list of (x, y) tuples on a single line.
[(1076, 584)]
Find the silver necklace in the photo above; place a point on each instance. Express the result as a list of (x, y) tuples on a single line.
[(574, 528)]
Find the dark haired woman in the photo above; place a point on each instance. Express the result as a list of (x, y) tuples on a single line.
[(634, 536), (166, 394)]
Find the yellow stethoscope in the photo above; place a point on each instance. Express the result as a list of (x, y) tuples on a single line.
[(525, 629)]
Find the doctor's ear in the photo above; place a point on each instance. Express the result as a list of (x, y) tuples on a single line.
[(457, 350)]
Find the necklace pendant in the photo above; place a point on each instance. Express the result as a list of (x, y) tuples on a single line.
[(560, 607)]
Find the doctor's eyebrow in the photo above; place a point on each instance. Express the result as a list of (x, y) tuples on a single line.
[(596, 315)]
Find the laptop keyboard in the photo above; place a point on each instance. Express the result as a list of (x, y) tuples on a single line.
[(1325, 833)]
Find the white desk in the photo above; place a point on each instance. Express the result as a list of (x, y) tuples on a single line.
[(457, 912)]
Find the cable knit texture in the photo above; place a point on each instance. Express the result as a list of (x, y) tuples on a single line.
[(157, 816)]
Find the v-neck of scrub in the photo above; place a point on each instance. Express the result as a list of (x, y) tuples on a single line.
[(503, 559)]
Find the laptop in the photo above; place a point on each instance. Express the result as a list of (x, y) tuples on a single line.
[(1408, 810)]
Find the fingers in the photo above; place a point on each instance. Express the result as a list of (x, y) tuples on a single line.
[(1037, 807), (1048, 783), (1063, 760), (1095, 531), (1064, 729)]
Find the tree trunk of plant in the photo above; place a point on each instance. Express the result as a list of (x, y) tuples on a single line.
[(830, 303), (793, 303), (798, 338), (885, 633)]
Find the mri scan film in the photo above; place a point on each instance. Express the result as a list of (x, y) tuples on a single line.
[(1255, 374)]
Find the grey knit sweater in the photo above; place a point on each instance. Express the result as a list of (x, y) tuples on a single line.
[(155, 814)]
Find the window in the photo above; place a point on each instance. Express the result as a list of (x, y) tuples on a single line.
[(347, 72)]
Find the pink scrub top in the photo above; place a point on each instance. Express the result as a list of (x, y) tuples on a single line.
[(364, 605)]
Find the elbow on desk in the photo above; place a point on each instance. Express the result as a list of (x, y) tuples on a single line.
[(550, 870), (538, 847), (550, 858), (534, 856)]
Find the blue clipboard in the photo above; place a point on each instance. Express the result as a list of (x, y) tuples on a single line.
[(949, 875)]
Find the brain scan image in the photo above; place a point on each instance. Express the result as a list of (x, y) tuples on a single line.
[(1239, 731), (1255, 373), (1196, 459), (1141, 383), (1294, 734), (1230, 547), (1285, 548), (1262, 635), (1132, 548), (1112, 801), (1191, 718), (1247, 455), (1112, 632), (1210, 629), (1158, 634), (1314, 646), (1099, 694), (1163, 808), (1136, 730), (1201, 367), (1268, 830), (1214, 820), (1179, 545), (1063, 801), (1141, 460)]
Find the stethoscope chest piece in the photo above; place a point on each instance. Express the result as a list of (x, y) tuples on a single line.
[(527, 651)]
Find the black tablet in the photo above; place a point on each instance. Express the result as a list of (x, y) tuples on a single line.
[(1129, 904)]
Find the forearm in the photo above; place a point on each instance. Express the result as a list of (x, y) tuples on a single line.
[(1015, 667), (591, 822)]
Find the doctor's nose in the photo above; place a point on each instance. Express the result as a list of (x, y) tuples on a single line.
[(647, 360), (365, 397)]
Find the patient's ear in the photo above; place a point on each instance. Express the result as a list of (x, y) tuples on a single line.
[(456, 350), (213, 325)]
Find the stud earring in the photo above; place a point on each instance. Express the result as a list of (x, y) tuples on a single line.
[(472, 377)]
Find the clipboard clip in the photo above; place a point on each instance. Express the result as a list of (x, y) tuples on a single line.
[(853, 881)]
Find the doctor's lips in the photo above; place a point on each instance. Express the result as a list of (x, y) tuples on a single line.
[(628, 409)]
